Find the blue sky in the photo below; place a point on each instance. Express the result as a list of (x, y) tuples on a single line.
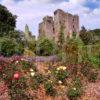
[(31, 12)]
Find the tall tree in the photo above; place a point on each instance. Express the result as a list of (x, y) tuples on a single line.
[(28, 34), (7, 21)]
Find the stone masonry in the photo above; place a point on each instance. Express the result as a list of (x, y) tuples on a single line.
[(62, 21)]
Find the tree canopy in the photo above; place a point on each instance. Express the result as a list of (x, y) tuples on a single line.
[(7, 21)]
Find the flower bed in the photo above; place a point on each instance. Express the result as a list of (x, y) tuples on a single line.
[(22, 76)]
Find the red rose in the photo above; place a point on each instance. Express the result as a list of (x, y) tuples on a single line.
[(16, 75)]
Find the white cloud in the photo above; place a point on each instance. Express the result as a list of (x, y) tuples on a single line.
[(78, 2), (31, 12)]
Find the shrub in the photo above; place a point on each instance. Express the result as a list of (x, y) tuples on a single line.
[(75, 90), (26, 65), (9, 47), (71, 51), (44, 47), (19, 49), (11, 72), (60, 73), (37, 79), (77, 82), (49, 89), (17, 89), (32, 45), (92, 77), (73, 93), (88, 72), (28, 53), (85, 69)]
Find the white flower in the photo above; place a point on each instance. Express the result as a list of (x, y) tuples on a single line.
[(22, 59), (58, 68), (74, 88), (60, 82), (16, 62), (31, 70), (32, 73)]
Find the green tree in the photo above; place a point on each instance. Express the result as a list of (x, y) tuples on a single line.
[(86, 36), (32, 45), (28, 34), (44, 47), (7, 21)]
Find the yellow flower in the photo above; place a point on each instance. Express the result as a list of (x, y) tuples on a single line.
[(49, 72), (62, 86), (64, 68), (61, 68), (58, 68)]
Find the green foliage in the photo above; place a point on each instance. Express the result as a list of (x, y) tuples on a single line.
[(90, 37), (49, 89), (87, 71), (77, 82), (17, 88), (7, 21), (93, 76), (75, 90), (96, 34), (9, 47), (37, 80), (71, 51), (60, 74), (26, 65), (28, 53), (73, 93), (32, 45), (61, 37), (45, 47)]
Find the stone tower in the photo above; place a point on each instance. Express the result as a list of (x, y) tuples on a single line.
[(66, 22), (46, 28)]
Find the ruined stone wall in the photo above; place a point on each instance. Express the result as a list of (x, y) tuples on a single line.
[(65, 22), (59, 23), (46, 28)]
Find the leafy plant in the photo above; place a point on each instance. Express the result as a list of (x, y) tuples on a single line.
[(49, 89), (85, 69), (9, 47), (37, 80), (60, 73), (92, 77), (7, 21), (73, 93), (44, 47)]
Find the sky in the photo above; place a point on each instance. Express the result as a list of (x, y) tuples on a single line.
[(31, 12)]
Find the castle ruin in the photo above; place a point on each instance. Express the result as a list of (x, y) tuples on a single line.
[(62, 21)]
